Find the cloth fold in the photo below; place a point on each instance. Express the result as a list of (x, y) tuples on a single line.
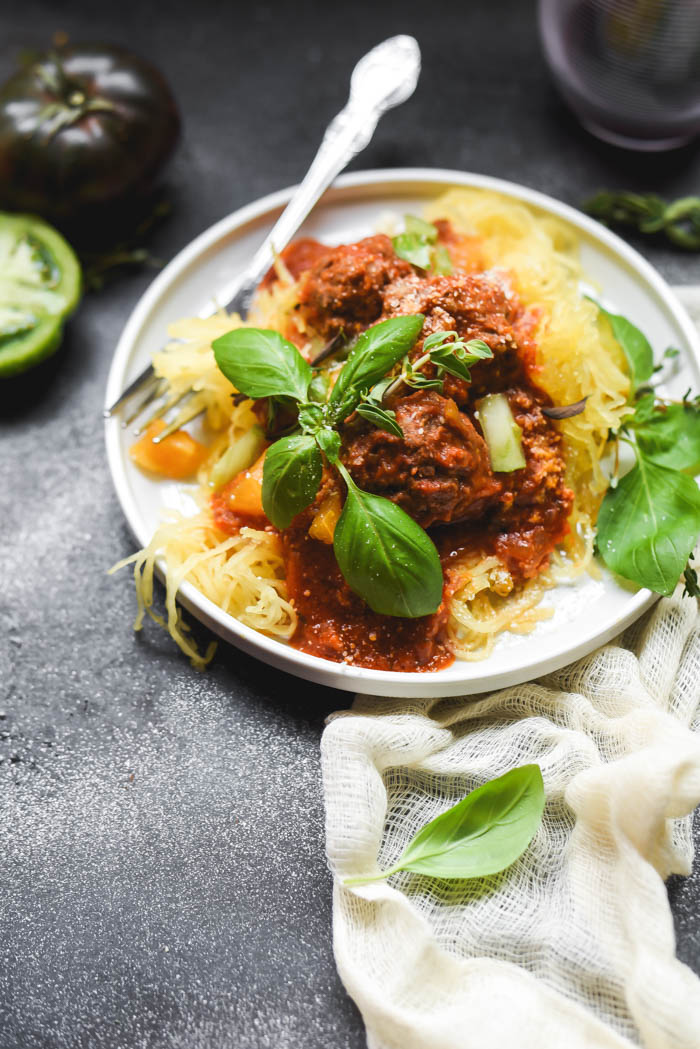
[(574, 944)]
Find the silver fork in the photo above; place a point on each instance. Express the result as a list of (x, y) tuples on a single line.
[(386, 76)]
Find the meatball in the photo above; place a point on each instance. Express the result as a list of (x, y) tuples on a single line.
[(476, 307), (343, 290), (439, 472)]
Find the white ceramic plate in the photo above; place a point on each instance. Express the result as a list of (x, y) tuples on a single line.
[(587, 613)]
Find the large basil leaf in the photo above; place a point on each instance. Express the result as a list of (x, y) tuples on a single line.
[(480, 835), (291, 477), (648, 525), (385, 556), (260, 363), (670, 435), (635, 345), (375, 353)]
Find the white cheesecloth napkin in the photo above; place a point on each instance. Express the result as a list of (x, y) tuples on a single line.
[(573, 946)]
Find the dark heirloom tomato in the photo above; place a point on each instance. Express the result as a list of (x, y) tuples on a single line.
[(82, 127)]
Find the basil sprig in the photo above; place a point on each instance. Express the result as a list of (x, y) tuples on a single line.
[(418, 246), (385, 557), (649, 521), (481, 835)]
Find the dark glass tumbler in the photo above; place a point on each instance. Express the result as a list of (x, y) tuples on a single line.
[(629, 69)]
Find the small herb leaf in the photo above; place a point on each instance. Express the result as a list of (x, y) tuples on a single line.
[(260, 363), (648, 525), (635, 346), (291, 477), (385, 556), (382, 418), (375, 353), (482, 834)]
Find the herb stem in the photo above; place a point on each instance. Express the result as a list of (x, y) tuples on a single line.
[(399, 380), (364, 879)]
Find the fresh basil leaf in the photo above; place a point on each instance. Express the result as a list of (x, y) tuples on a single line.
[(635, 345), (481, 835), (670, 435), (442, 263), (648, 525), (328, 441), (385, 556), (375, 353), (382, 418), (319, 387), (413, 248), (421, 228), (311, 417), (260, 363), (291, 477)]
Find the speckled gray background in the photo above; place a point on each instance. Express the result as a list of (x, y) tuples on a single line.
[(162, 877)]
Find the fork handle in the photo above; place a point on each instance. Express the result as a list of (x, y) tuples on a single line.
[(346, 136)]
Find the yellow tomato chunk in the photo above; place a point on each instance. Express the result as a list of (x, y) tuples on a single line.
[(177, 456), (244, 492), (326, 518)]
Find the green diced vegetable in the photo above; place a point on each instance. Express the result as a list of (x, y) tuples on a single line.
[(238, 456), (502, 434)]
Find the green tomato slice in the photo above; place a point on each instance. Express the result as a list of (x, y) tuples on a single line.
[(40, 284)]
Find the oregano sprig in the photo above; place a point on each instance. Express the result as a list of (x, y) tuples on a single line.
[(678, 220)]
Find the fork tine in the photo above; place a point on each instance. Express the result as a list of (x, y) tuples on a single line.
[(155, 392), (146, 376), (195, 408), (161, 410)]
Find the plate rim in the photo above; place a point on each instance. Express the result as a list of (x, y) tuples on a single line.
[(315, 668)]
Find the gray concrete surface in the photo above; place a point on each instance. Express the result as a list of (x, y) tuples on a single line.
[(162, 876)]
